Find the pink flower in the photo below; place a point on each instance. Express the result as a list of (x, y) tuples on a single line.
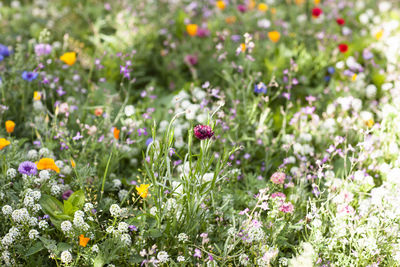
[(278, 178), (286, 207), (203, 132), (279, 195)]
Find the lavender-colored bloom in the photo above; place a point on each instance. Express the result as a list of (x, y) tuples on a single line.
[(28, 168), (149, 141), (203, 132), (132, 228), (203, 32), (67, 194), (29, 75), (236, 38), (42, 49), (191, 59), (197, 253)]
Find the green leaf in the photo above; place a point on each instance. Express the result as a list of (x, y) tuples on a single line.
[(38, 246), (51, 205), (77, 199), (68, 208), (63, 246)]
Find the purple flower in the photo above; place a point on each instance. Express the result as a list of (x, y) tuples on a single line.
[(29, 75), (260, 88), (28, 168), (191, 59), (203, 132), (197, 253), (4, 51), (67, 194), (42, 49), (241, 8), (203, 32), (133, 228)]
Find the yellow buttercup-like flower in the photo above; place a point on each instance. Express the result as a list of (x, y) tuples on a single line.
[(69, 58), (192, 29), (47, 164), (10, 125), (262, 7), (37, 96), (274, 36), (3, 143), (379, 35), (220, 4), (143, 190), (370, 123)]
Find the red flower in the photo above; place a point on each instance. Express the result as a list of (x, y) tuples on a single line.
[(343, 48), (316, 12), (203, 132), (340, 21)]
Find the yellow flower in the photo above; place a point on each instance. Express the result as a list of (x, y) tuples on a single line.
[(37, 96), (192, 29), (4, 143), (243, 47), (354, 77), (370, 123), (274, 36), (262, 7), (317, 2), (273, 11), (379, 35), (299, 2), (220, 4), (83, 240), (73, 164), (47, 164), (10, 125), (68, 58), (143, 190)]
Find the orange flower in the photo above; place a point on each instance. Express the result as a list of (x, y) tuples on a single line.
[(116, 133), (36, 96), (274, 36), (47, 164), (192, 29), (251, 4), (243, 47), (98, 112), (299, 2), (220, 4), (273, 11), (73, 164), (10, 125), (262, 7), (83, 240), (230, 20), (3, 143), (69, 58), (143, 190)]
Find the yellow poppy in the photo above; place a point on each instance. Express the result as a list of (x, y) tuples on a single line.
[(192, 29), (83, 240), (220, 4), (69, 58), (262, 7), (47, 164), (379, 35), (274, 36), (143, 190), (37, 96), (10, 125), (73, 164), (3, 143)]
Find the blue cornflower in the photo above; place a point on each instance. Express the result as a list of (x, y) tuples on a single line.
[(29, 75), (260, 88), (4, 51), (331, 70)]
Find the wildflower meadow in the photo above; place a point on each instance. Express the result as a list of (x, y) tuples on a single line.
[(200, 133)]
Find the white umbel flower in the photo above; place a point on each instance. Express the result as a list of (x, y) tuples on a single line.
[(66, 257)]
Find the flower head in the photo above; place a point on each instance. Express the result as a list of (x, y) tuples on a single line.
[(340, 21), (67, 194), (4, 51), (37, 96), (69, 58), (260, 88), (203, 132), (274, 36), (220, 4), (28, 168), (29, 75), (116, 133), (286, 207), (278, 178), (343, 48), (47, 164), (3, 143), (143, 190), (191, 29), (262, 7), (10, 125), (83, 240), (316, 12)]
